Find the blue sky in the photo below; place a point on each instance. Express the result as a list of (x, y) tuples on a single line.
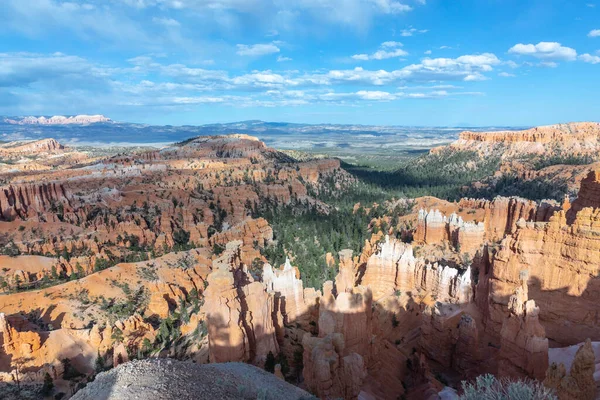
[(401, 62)]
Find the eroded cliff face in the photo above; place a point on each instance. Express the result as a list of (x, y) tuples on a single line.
[(239, 312), (577, 138), (26, 201), (562, 261), (524, 346), (589, 195), (500, 217), (33, 147)]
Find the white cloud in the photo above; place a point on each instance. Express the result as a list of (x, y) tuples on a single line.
[(390, 6), (411, 31), (594, 33), (197, 100), (38, 82), (476, 77), (467, 67), (506, 75), (588, 58), (256, 50), (168, 22), (387, 50), (391, 44), (383, 54), (283, 59), (428, 52), (374, 95), (545, 50)]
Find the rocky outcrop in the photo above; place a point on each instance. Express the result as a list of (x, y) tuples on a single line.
[(450, 336), (542, 134), (577, 383), (562, 263), (346, 277), (294, 303), (499, 219), (239, 313), (34, 147), (576, 138), (431, 227), (394, 267), (26, 201), (18, 343), (327, 372), (588, 196), (524, 346)]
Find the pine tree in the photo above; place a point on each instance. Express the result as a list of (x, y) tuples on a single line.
[(99, 365), (270, 363), (48, 385)]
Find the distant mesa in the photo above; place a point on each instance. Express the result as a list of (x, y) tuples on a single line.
[(32, 147), (577, 138), (541, 134), (58, 120)]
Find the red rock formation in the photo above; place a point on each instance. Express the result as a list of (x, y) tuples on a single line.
[(450, 337), (17, 343), (26, 201), (576, 138), (579, 383), (327, 372), (561, 261), (345, 279), (34, 147), (589, 195), (524, 346), (500, 218), (543, 134), (239, 314), (392, 266)]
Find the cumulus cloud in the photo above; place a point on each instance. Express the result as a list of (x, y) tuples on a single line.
[(411, 31), (256, 50), (545, 50), (283, 59), (506, 75), (386, 50), (588, 58), (594, 33), (391, 43), (68, 83), (467, 68)]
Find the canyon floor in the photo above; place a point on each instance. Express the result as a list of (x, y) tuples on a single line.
[(355, 281)]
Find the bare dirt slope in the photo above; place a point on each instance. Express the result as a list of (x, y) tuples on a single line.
[(163, 379)]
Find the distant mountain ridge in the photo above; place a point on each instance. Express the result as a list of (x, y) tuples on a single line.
[(58, 120)]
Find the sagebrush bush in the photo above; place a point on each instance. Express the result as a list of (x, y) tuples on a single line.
[(488, 387)]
